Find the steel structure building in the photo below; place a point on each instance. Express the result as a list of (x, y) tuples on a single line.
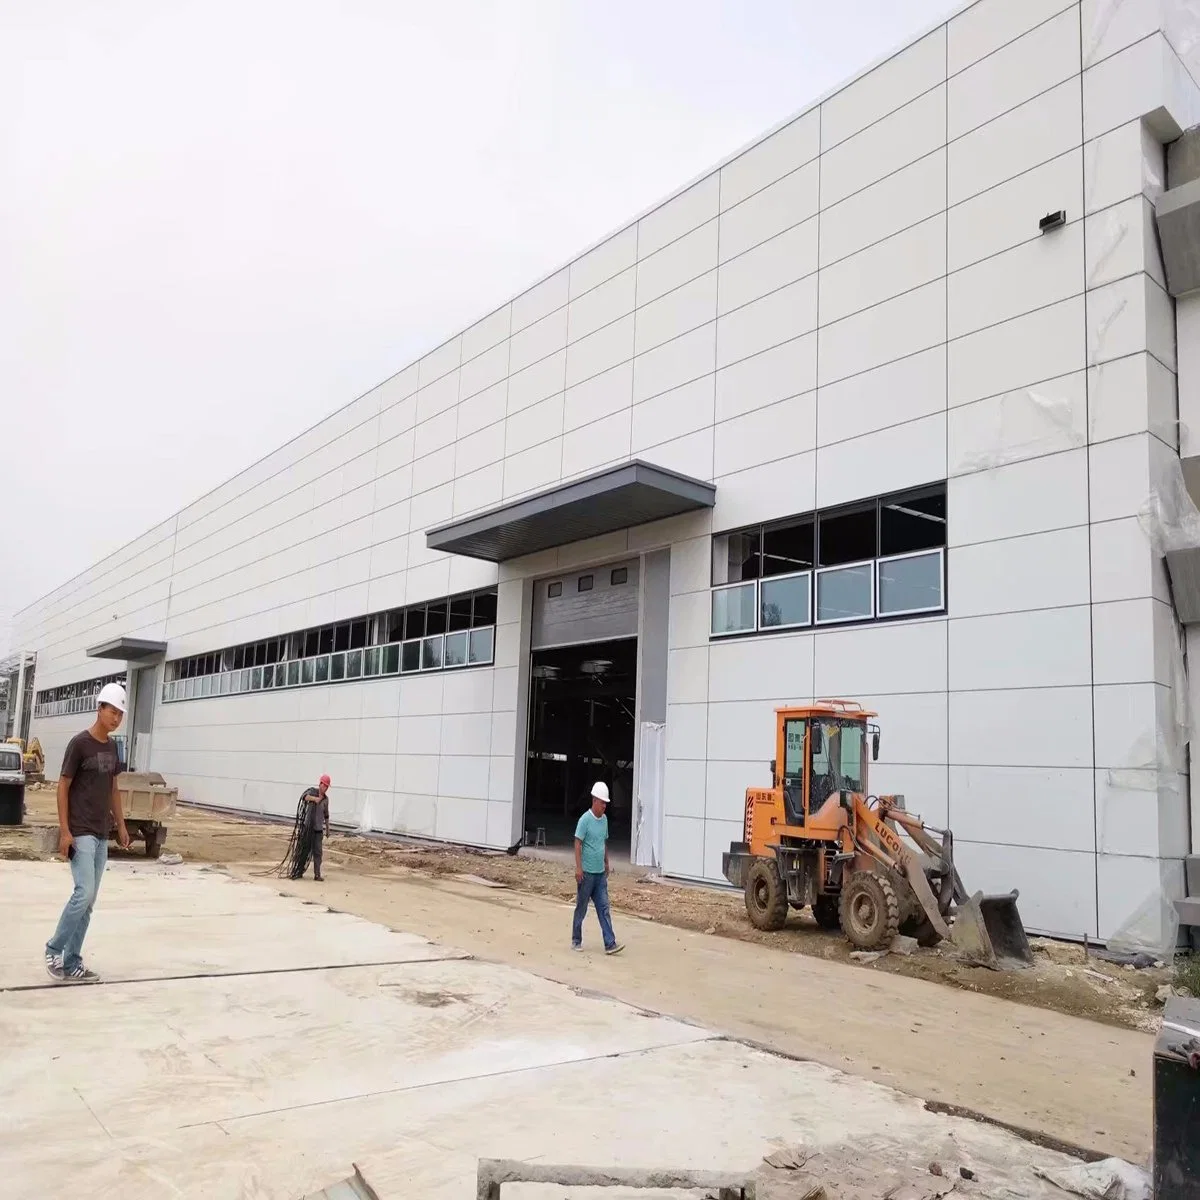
[(886, 406)]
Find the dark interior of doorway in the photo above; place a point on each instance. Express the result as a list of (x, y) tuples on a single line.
[(581, 727)]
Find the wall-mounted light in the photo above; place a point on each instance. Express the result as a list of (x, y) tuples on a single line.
[(1054, 220)]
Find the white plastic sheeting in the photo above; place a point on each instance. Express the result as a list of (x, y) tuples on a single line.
[(652, 769)]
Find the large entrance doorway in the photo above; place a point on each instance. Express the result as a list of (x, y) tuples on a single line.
[(582, 702)]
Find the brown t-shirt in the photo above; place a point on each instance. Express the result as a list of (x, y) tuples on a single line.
[(90, 765)]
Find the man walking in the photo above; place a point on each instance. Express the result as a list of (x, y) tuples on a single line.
[(89, 804), (317, 819), (591, 871)]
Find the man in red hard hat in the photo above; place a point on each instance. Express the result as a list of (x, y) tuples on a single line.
[(317, 819)]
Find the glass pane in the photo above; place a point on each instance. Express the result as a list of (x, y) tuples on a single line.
[(460, 613), (910, 584), (414, 622), (845, 595), (481, 645), (733, 609), (431, 653), (793, 750), (410, 656), (280, 674), (337, 667), (851, 757), (435, 616), (784, 601), (485, 609), (736, 556), (788, 548), (235, 683), (256, 679), (246, 679), (308, 670), (225, 684), (371, 661), (910, 524), (293, 673), (268, 677), (354, 664), (391, 659), (456, 649), (847, 537), (323, 669)]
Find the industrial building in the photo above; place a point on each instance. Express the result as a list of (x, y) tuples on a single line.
[(886, 406)]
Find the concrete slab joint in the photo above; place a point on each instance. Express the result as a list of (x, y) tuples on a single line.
[(493, 1172)]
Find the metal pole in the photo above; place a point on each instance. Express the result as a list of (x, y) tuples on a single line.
[(20, 697)]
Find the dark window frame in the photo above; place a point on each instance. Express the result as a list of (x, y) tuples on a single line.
[(937, 489)]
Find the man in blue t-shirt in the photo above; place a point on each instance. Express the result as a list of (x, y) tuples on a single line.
[(591, 871)]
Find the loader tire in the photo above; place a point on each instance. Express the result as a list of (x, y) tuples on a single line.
[(825, 912), (766, 896), (870, 911)]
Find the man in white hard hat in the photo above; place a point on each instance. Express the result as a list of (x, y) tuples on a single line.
[(591, 871), (89, 804)]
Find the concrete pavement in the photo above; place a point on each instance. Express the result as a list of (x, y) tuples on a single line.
[(252, 1045)]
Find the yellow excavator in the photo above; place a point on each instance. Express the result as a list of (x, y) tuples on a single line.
[(33, 760), (817, 838)]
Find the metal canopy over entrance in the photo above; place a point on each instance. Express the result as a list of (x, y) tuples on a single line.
[(635, 493), (129, 649)]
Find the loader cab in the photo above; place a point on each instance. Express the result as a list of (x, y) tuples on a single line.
[(822, 751)]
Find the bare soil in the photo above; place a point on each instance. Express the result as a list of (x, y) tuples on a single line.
[(1062, 979)]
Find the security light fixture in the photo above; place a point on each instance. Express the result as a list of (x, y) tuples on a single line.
[(1054, 220)]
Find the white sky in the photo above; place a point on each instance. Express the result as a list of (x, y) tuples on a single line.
[(220, 221)]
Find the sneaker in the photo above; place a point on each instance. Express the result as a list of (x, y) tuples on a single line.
[(80, 974), (615, 948), (54, 967), (576, 945)]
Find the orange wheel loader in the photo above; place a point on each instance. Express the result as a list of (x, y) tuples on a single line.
[(817, 838)]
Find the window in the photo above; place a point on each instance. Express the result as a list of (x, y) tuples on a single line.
[(912, 539), (456, 649), (554, 591), (733, 609), (460, 613), (871, 560), (451, 632), (586, 582), (619, 576)]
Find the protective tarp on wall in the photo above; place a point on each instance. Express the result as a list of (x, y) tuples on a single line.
[(652, 769)]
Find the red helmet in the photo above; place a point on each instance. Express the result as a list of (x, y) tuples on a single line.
[(325, 780)]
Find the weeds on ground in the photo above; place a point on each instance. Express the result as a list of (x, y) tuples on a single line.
[(1187, 973)]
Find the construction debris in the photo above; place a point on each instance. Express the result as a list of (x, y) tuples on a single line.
[(1109, 1179)]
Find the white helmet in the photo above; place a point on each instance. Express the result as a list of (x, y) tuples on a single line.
[(600, 792), (114, 694)]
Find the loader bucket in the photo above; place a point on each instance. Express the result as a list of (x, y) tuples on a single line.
[(988, 931)]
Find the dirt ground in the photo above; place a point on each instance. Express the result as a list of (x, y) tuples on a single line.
[(1063, 979)]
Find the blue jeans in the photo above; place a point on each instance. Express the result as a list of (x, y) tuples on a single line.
[(594, 888), (87, 865)]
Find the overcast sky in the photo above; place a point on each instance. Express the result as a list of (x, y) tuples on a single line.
[(221, 221)]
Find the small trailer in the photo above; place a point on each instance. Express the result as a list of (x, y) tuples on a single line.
[(147, 803)]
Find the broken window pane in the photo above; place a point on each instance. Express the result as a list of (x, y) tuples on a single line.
[(915, 523)]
